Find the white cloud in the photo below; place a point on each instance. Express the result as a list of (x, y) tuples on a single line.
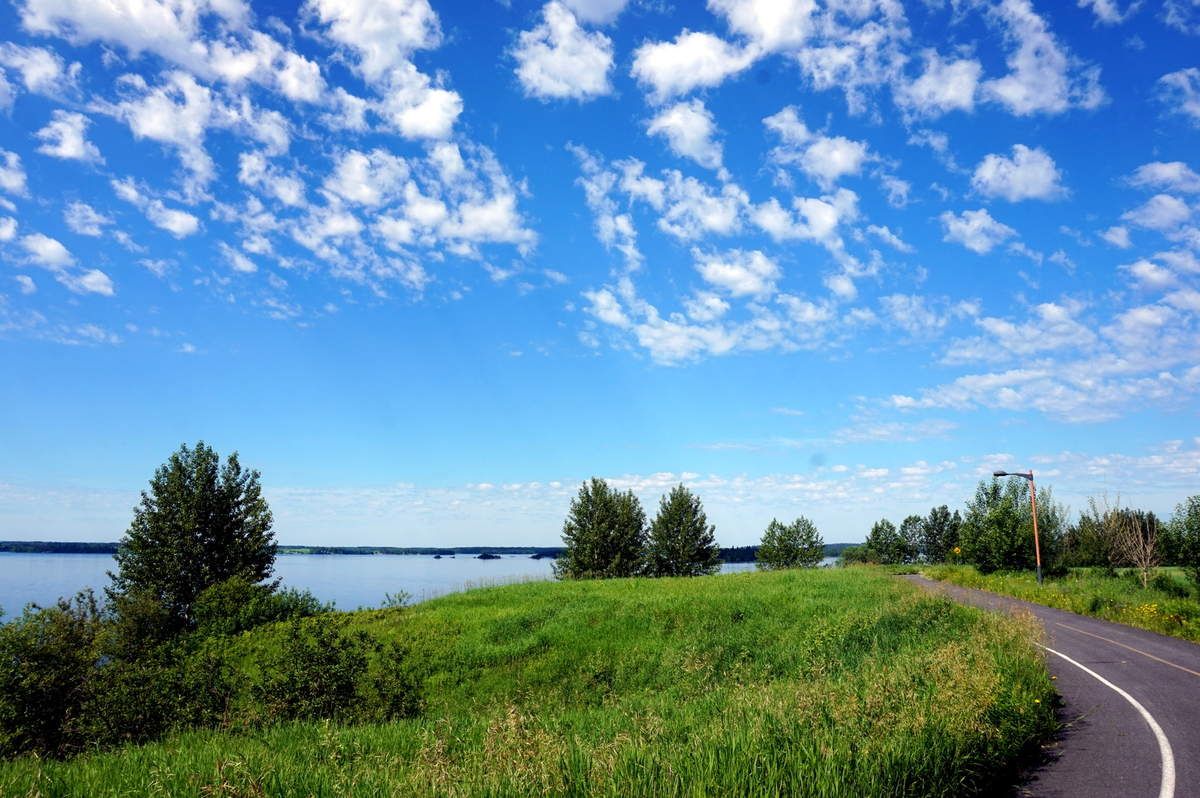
[(560, 60), (693, 60), (65, 137), (771, 24), (1150, 275), (176, 113), (8, 92), (1174, 176), (884, 234), (1180, 93), (368, 178), (944, 86), (256, 171), (1118, 236), (41, 71), (599, 12), (1041, 79), (823, 158), (1109, 12), (1182, 15), (85, 220), (693, 209), (46, 251), (12, 174), (1162, 212), (975, 230), (178, 223), (705, 307), (737, 272), (237, 260), (689, 130), (26, 283), (92, 281), (8, 228), (1028, 174), (417, 108), (384, 33), (841, 285)]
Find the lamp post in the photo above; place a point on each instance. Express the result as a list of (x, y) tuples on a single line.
[(1037, 548)]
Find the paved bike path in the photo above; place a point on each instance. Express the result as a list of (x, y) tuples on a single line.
[(1109, 745)]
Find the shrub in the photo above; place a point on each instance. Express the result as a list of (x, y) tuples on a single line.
[(235, 605)]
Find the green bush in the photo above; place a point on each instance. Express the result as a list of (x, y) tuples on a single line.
[(321, 670), (236, 605)]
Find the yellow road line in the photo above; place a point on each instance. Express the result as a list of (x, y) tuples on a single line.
[(1131, 648)]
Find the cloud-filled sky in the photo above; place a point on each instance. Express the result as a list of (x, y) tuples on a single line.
[(428, 265)]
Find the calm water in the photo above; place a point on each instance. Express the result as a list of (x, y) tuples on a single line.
[(348, 580)]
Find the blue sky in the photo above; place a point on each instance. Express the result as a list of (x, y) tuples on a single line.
[(428, 265)]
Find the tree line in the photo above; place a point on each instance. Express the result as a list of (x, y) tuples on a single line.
[(606, 535), (995, 532)]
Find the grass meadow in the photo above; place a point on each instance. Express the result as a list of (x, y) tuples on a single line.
[(1169, 606), (837, 682)]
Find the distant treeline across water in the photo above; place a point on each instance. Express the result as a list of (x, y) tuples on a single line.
[(729, 554)]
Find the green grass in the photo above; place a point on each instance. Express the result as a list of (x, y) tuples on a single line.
[(821, 683), (1171, 608)]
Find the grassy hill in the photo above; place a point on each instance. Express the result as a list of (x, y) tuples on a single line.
[(826, 683)]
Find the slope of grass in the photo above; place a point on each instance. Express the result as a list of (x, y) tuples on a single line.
[(822, 683), (1169, 606)]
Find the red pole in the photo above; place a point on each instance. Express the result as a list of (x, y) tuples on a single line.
[(1037, 548)]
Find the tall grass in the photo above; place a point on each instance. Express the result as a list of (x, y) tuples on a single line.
[(1169, 606), (821, 683)]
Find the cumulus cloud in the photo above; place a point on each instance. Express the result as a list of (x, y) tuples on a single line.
[(1174, 176), (85, 220), (1043, 76), (825, 159), (46, 251), (65, 137), (177, 222), (41, 71), (1028, 174), (772, 25), (1109, 12), (12, 174), (560, 60), (737, 272), (693, 60), (1162, 212), (1118, 236), (975, 230), (689, 130), (1180, 93), (942, 87)]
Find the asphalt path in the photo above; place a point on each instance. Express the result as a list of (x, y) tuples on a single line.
[(1131, 705)]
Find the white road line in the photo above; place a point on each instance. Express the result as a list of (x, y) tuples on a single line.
[(1167, 786)]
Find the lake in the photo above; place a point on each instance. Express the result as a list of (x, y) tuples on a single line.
[(350, 581)]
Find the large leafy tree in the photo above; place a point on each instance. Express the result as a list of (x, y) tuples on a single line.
[(794, 545), (199, 524), (997, 530), (884, 544), (939, 534), (604, 534), (682, 542), (1185, 528)]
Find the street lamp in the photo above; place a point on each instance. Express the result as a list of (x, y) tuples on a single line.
[(1037, 549)]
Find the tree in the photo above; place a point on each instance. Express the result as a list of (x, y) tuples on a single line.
[(910, 538), (604, 534), (939, 534), (997, 530), (199, 524), (794, 545), (883, 544), (1185, 528), (681, 540), (1135, 539)]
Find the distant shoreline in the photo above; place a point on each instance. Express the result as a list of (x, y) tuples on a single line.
[(730, 554)]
